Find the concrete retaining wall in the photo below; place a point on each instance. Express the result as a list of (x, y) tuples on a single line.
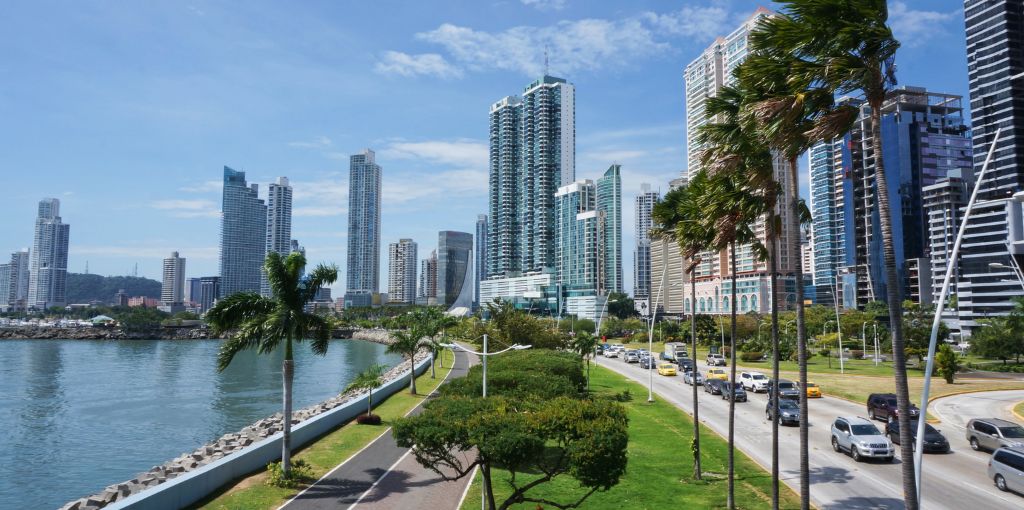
[(195, 485)]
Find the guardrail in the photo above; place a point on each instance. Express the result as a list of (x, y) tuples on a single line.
[(193, 486)]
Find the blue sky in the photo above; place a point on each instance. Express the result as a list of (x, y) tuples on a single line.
[(127, 111)]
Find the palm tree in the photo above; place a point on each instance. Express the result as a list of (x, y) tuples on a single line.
[(433, 322), (369, 379), (407, 343), (842, 47), (265, 323), (584, 344)]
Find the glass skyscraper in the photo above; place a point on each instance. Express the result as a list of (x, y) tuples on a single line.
[(362, 277), (48, 261), (454, 260), (609, 205), (243, 234), (480, 250), (642, 256), (828, 226), (279, 223)]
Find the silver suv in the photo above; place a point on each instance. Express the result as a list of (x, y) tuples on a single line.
[(754, 381), (861, 438), (992, 433), (1006, 469)]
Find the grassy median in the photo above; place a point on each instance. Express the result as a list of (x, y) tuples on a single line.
[(252, 493), (659, 474)]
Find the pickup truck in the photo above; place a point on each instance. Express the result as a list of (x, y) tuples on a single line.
[(674, 351), (716, 360)]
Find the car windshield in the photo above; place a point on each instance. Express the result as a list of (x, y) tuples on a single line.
[(788, 404), (891, 403), (865, 430), (1015, 432), (785, 385), (758, 377), (666, 365), (812, 385), (717, 371)]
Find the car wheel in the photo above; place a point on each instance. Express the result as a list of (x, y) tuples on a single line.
[(835, 444), (855, 454), (1001, 483), (974, 444), (890, 459), (871, 414)]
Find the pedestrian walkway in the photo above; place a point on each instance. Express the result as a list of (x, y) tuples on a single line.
[(384, 476)]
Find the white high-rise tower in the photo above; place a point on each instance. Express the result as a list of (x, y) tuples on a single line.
[(48, 266)]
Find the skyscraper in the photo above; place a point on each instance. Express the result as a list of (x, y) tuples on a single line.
[(642, 255), (172, 293), (828, 227), (193, 290), (532, 153), (944, 203), (609, 206), (14, 278), (279, 224), (48, 262), (995, 68), (363, 266), (454, 259), (209, 287), (243, 233), (402, 271), (428, 278), (480, 250)]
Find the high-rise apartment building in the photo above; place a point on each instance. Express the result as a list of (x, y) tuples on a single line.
[(828, 227), (243, 234), (532, 153), (402, 271), (704, 77), (14, 278), (944, 203), (645, 201), (48, 260), (480, 250), (428, 278), (995, 68), (454, 263), (279, 224), (609, 204), (362, 277), (172, 293), (193, 290), (209, 292)]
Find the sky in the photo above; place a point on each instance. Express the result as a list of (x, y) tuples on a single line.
[(128, 111)]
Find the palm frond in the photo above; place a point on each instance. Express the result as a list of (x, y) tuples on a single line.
[(322, 276), (231, 312)]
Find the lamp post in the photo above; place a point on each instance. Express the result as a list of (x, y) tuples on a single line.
[(875, 326), (484, 355), (604, 308), (950, 264), (650, 336)]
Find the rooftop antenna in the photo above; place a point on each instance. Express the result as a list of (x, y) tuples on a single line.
[(86, 267), (545, 60)]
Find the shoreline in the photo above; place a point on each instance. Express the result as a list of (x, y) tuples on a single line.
[(160, 333)]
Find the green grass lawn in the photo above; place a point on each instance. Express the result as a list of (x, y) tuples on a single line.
[(659, 473), (1019, 409), (327, 452)]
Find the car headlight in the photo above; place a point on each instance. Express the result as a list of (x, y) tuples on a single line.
[(864, 443)]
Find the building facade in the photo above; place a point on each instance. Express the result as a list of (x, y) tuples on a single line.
[(828, 226), (609, 205), (48, 260), (428, 279), (172, 292), (209, 292), (995, 63), (454, 261), (363, 265), (14, 278), (480, 252), (642, 255), (944, 204), (402, 271), (243, 234), (279, 224)]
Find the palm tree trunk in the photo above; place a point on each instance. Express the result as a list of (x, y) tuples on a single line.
[(732, 386), (773, 282), (696, 409), (412, 373), (892, 293), (288, 374), (369, 403), (793, 185), (432, 364)]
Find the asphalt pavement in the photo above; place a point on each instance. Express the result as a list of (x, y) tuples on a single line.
[(954, 481), (385, 476), (956, 410)]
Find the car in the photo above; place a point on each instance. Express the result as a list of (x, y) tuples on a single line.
[(993, 433), (934, 441), (861, 438), (666, 369), (716, 373), (716, 360), (1006, 469), (754, 381), (631, 357), (611, 353), (882, 406), (787, 389), (599, 350), (813, 390), (689, 376), (735, 391), (648, 363), (685, 364), (789, 411), (713, 386)]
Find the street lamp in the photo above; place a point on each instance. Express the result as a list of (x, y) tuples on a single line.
[(604, 308), (484, 355), (650, 337)]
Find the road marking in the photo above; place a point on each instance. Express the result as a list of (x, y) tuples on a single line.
[(390, 469), (465, 492)]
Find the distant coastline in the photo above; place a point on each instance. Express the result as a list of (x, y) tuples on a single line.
[(115, 333)]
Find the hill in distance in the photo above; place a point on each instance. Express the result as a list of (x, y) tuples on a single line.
[(84, 288)]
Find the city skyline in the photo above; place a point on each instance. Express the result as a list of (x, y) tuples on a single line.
[(166, 193)]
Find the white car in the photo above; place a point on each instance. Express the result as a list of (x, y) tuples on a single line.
[(754, 381), (611, 353), (688, 378), (716, 360)]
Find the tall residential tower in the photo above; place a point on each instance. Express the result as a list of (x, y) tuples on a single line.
[(645, 201), (279, 223), (362, 276), (243, 234), (402, 271), (48, 262)]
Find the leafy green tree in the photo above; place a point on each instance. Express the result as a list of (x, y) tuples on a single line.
[(140, 318), (369, 379), (584, 344), (995, 339), (264, 324), (947, 362), (508, 326), (621, 305), (917, 328)]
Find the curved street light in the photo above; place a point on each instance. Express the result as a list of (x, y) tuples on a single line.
[(484, 355)]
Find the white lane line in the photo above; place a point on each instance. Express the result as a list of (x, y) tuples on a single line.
[(465, 492), (374, 486)]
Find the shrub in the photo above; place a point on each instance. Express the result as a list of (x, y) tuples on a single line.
[(301, 472), (857, 354), (751, 355), (368, 419), (824, 353)]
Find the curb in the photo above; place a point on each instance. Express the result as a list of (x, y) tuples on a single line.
[(1015, 413)]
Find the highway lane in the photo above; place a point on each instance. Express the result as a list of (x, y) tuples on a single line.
[(956, 410), (954, 481)]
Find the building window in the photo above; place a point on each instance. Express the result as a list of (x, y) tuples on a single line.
[(725, 304), (753, 303), (687, 305), (743, 304)]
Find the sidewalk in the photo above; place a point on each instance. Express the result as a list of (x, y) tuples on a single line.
[(384, 476)]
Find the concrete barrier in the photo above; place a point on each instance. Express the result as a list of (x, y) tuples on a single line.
[(193, 486)]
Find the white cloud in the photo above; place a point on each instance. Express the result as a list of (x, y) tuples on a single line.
[(188, 208), (454, 184), (319, 198), (203, 187), (149, 249), (546, 5), (316, 143), (427, 64), (697, 23), (462, 153), (913, 27)]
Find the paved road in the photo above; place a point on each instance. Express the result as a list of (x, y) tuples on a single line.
[(384, 476), (955, 481), (956, 410)]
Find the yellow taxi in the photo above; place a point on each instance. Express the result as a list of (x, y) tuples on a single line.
[(717, 373), (666, 369), (813, 390)]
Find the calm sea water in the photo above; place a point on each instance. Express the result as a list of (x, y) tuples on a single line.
[(78, 415)]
